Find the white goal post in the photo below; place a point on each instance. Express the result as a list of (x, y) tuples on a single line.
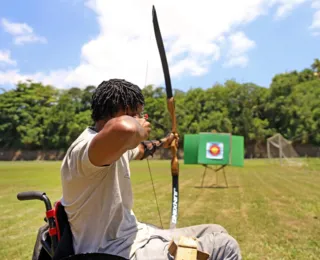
[(279, 148)]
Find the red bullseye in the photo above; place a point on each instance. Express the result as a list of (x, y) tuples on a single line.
[(214, 150)]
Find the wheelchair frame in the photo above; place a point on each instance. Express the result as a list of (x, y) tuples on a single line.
[(50, 246)]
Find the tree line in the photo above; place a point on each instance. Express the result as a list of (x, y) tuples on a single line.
[(38, 116)]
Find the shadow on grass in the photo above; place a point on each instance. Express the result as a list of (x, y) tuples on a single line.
[(216, 187)]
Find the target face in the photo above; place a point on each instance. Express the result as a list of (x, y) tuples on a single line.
[(214, 150)]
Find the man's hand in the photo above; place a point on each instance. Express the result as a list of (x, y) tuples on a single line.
[(148, 148), (169, 139), (146, 127)]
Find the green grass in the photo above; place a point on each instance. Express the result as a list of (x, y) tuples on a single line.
[(273, 211)]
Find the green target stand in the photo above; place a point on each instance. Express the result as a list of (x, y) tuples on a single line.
[(214, 149)]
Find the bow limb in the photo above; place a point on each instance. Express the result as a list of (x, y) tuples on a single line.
[(171, 109)]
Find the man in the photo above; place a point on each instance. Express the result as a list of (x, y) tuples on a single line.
[(97, 192)]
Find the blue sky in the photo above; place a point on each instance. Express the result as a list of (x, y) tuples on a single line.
[(73, 43), (67, 25), (281, 46)]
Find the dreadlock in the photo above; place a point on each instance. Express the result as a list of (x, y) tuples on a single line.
[(113, 95)]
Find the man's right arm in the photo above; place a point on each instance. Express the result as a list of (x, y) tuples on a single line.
[(117, 136)]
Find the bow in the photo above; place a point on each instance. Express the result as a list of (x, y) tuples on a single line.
[(171, 109)]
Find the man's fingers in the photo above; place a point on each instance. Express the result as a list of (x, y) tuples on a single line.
[(145, 125)]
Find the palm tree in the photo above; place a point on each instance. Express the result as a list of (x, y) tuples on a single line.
[(316, 67)]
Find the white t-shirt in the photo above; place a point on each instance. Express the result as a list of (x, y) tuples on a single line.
[(98, 202)]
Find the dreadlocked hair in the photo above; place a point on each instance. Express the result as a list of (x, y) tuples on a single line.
[(114, 95)]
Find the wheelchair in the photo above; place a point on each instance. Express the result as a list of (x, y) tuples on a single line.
[(54, 239)]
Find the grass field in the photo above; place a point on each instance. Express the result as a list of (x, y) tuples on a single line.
[(273, 211)]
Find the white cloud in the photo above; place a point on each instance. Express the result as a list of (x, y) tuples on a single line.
[(315, 4), (285, 7), (22, 32), (240, 44), (192, 34), (316, 21), (315, 26), (237, 61), (19, 40), (196, 34), (5, 58), (55, 78)]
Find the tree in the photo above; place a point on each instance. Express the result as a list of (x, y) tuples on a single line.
[(23, 112), (86, 97), (37, 116)]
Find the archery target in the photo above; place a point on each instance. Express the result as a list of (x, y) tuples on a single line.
[(214, 150)]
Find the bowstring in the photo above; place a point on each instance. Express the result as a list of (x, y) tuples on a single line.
[(151, 178)]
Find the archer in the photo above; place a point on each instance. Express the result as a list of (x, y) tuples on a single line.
[(96, 185)]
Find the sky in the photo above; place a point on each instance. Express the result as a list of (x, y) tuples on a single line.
[(76, 43)]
